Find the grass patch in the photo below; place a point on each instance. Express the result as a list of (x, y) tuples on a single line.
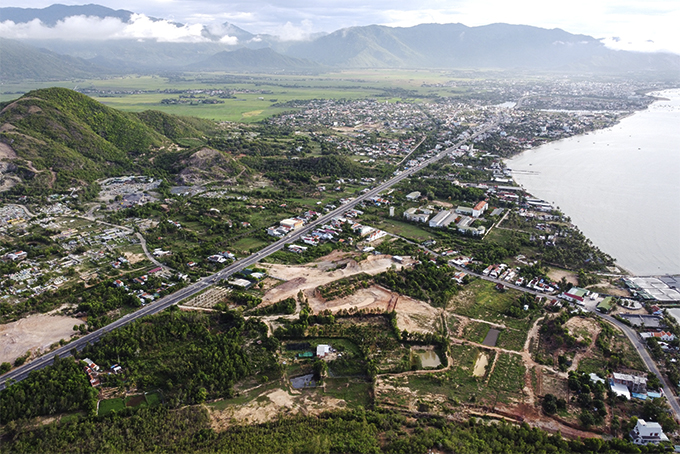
[(511, 339), (248, 243), (482, 301), (593, 365), (106, 406), (244, 398), (355, 393), (153, 399), (476, 332), (404, 229), (507, 378), (71, 417)]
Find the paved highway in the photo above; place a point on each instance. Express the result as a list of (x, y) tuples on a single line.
[(22, 372)]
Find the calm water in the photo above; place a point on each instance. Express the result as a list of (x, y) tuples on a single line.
[(620, 186), (429, 359)]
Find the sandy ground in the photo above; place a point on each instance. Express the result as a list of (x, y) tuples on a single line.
[(134, 258), (325, 270), (412, 315), (33, 333), (578, 326), (272, 404), (556, 274)]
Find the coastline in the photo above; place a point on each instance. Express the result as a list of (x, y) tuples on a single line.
[(551, 181)]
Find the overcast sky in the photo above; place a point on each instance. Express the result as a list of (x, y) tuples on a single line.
[(625, 24)]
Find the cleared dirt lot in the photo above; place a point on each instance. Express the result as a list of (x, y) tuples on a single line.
[(34, 333), (271, 405), (325, 270)]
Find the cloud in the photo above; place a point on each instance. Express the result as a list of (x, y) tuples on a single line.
[(291, 32), (635, 22), (94, 28)]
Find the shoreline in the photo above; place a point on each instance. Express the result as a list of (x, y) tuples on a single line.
[(667, 260)]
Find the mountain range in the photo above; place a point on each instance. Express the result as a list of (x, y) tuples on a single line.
[(230, 48)]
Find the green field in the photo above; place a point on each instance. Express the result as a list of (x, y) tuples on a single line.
[(106, 406), (404, 229), (355, 392), (476, 331), (153, 399), (507, 379), (481, 300), (512, 339), (255, 96)]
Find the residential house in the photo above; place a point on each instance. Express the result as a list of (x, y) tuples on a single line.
[(647, 432), (634, 383), (575, 295), (665, 336), (323, 350)]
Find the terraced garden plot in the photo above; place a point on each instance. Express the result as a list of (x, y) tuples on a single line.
[(507, 378)]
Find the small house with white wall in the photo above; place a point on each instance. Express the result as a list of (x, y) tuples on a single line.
[(322, 350)]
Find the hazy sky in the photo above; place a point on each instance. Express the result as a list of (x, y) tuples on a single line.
[(625, 24)]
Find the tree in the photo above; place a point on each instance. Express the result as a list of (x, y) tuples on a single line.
[(550, 404), (320, 369), (201, 395)]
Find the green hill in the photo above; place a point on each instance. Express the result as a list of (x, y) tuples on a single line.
[(57, 138), (21, 62)]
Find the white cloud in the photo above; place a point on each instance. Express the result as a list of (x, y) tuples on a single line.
[(291, 32), (95, 28), (229, 40), (641, 25)]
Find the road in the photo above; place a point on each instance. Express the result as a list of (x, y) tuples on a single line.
[(142, 241), (22, 372), (632, 335)]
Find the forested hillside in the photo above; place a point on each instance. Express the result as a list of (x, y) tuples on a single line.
[(58, 138)]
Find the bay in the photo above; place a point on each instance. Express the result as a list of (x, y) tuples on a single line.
[(620, 185)]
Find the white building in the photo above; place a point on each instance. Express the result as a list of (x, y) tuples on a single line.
[(292, 223), (635, 383), (322, 350), (479, 209), (647, 432), (464, 210), (442, 219), (413, 196), (417, 214)]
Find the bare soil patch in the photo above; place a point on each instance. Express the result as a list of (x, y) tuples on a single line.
[(134, 258), (272, 404), (34, 333), (7, 152), (325, 270), (582, 328), (556, 274)]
